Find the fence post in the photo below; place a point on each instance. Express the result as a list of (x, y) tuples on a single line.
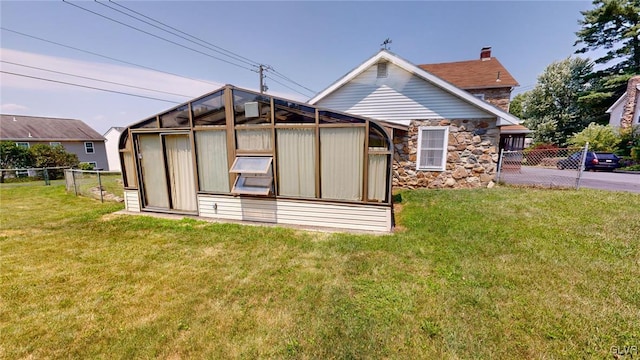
[(46, 176), (500, 160), (75, 186), (583, 159), (100, 187)]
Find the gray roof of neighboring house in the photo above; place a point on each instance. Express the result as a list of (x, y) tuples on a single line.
[(34, 128)]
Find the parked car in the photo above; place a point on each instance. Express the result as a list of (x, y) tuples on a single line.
[(594, 161)]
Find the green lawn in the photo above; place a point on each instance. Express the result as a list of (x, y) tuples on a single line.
[(506, 273)]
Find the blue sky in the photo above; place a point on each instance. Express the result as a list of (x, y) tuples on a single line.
[(311, 43)]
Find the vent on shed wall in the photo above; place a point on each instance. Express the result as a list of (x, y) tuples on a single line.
[(382, 70)]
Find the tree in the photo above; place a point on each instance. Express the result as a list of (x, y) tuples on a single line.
[(551, 108), (45, 156), (599, 137), (515, 107), (13, 156), (613, 25)]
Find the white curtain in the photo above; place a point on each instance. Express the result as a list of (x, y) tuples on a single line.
[(213, 168), (377, 184), (297, 162), (253, 139), (342, 162), (129, 169), (180, 167), (153, 175)]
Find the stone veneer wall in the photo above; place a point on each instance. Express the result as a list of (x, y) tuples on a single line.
[(499, 97), (630, 106), (472, 155)]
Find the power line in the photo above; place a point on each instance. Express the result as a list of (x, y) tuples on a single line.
[(220, 50), (156, 36), (94, 79), (288, 87), (107, 57), (88, 87), (287, 79)]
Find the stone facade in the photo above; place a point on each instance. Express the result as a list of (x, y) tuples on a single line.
[(472, 155), (630, 107), (499, 97)]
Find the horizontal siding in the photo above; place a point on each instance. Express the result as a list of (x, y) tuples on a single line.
[(132, 200), (400, 97), (305, 213)]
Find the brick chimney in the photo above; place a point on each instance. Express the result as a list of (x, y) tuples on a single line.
[(485, 53), (630, 106)]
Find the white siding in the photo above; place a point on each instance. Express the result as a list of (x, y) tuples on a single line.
[(111, 143), (400, 98), (616, 113), (291, 212), (132, 200)]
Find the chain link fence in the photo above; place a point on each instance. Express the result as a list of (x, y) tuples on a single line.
[(550, 167), (103, 185), (31, 176)]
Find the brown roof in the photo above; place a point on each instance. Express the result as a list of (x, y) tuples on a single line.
[(32, 128), (473, 74)]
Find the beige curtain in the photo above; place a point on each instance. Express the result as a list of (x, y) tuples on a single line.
[(129, 169), (153, 175), (180, 167), (253, 139), (213, 168), (377, 184), (341, 162), (297, 162)]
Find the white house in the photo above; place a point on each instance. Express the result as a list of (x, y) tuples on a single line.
[(625, 111), (111, 143)]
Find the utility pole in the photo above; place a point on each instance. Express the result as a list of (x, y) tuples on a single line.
[(263, 86)]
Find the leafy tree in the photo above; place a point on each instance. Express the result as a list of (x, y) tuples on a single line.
[(551, 108), (613, 25), (45, 156), (515, 107), (13, 156), (599, 137)]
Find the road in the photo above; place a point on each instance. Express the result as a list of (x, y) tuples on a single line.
[(567, 178)]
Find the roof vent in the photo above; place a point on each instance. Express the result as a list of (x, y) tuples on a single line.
[(383, 72), (485, 53)]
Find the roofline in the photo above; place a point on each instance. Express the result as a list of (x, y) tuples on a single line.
[(477, 60), (620, 100), (32, 139), (504, 118)]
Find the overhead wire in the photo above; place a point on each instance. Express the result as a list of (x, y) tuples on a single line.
[(94, 79), (107, 57), (87, 87), (288, 87), (157, 36)]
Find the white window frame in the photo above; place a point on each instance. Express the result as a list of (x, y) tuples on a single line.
[(22, 144), (445, 143), (86, 148), (55, 143)]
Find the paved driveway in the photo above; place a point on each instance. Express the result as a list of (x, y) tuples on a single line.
[(567, 178)]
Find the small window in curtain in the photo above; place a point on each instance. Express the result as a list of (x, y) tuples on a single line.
[(341, 163), (297, 162), (432, 148), (253, 139), (213, 169)]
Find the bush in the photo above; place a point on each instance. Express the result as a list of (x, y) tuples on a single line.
[(599, 137)]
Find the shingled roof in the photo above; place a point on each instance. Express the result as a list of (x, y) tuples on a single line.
[(473, 74), (32, 128)]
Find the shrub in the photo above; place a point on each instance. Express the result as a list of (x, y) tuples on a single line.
[(599, 137)]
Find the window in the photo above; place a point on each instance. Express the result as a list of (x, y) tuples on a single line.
[(213, 170), (88, 147), (251, 108), (23, 145), (209, 110), (432, 148), (297, 162), (55, 143), (255, 175), (176, 118), (341, 162)]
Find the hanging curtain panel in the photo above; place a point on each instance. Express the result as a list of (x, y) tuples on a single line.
[(341, 162), (213, 168), (253, 139), (129, 169), (377, 184), (180, 168), (297, 162), (153, 175)]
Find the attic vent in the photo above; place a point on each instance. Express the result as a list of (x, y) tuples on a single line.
[(383, 72)]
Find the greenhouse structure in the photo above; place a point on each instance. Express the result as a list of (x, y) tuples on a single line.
[(234, 154)]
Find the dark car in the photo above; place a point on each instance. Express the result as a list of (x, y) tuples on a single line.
[(594, 161)]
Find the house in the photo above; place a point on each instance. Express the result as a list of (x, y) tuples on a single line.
[(444, 136), (234, 154), (625, 112), (74, 135), (111, 143)]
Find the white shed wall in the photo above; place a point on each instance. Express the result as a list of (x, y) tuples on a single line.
[(400, 97)]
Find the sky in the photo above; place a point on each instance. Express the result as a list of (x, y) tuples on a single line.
[(53, 53)]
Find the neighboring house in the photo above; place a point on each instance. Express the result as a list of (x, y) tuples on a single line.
[(235, 154), (74, 135), (444, 136), (625, 112), (112, 136)]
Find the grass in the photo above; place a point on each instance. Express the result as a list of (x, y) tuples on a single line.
[(500, 273)]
